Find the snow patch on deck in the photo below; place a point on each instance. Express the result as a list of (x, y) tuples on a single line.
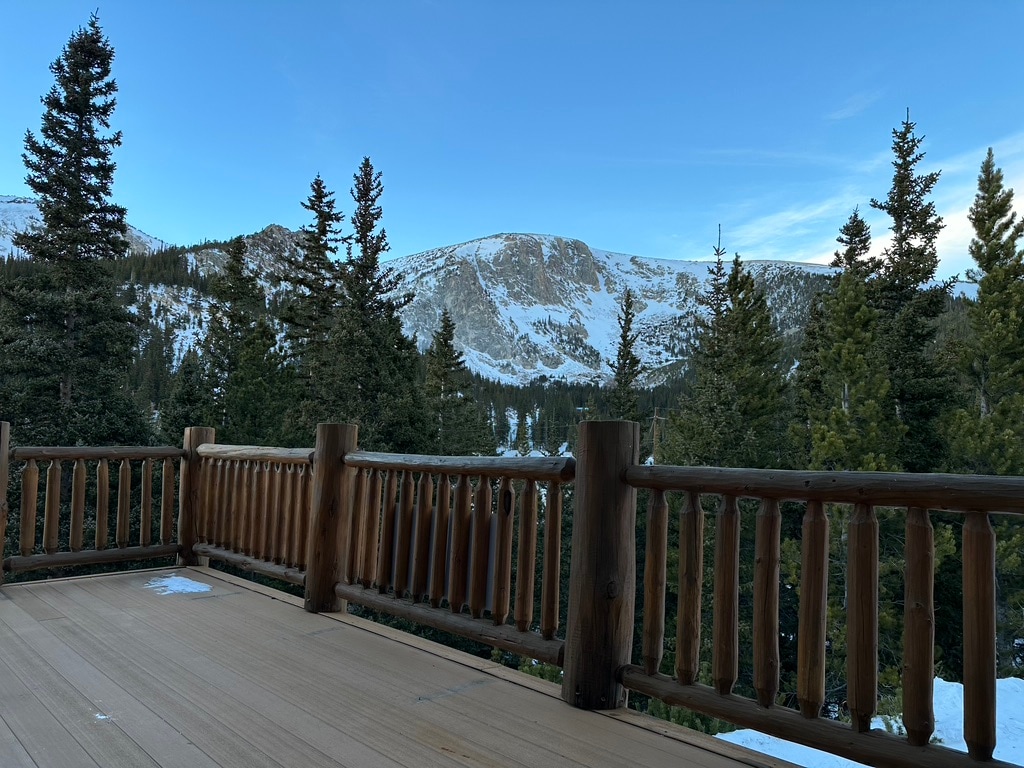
[(176, 585)]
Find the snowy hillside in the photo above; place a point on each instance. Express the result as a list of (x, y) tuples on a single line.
[(949, 730), (526, 306), (18, 214)]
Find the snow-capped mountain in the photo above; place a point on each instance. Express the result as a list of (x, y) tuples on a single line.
[(18, 214), (526, 306)]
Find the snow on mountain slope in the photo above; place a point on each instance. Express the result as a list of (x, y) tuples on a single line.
[(527, 306), (18, 214)]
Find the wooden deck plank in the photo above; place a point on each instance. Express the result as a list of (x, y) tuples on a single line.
[(12, 754), (103, 721), (251, 679), (312, 681), (33, 728), (217, 720)]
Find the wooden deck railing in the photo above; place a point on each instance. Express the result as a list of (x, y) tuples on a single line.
[(253, 509), (432, 539), (142, 529), (449, 539), (973, 497)]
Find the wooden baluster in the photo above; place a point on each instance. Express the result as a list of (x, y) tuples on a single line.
[(263, 545), (725, 633), (810, 665), (226, 497), (214, 514), (862, 617), (552, 562), (501, 591), (458, 579), (167, 501), (254, 530), (691, 573), (287, 505), (406, 506), (919, 628), (240, 516), (766, 601), (124, 503), (421, 543), (51, 514), (655, 581), (526, 563), (77, 506), (102, 502), (371, 531), (979, 595), (385, 554), (439, 540), (146, 510), (359, 503), (204, 514), (254, 519), (275, 551), (480, 552), (29, 500), (301, 519)]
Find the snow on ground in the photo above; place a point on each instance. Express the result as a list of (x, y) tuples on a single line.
[(176, 585), (949, 728)]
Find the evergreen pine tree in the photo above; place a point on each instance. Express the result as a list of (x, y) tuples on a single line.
[(988, 436), (908, 309), (855, 237), (258, 391), (236, 302), (735, 411), (622, 400), (66, 338), (310, 308), (457, 426), (190, 402), (853, 424), (376, 382)]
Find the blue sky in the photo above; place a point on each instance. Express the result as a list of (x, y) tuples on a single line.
[(637, 127)]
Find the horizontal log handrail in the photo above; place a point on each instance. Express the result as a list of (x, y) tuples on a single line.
[(875, 747), (252, 564), (504, 636), (23, 563), (561, 469), (92, 453), (255, 453), (957, 493)]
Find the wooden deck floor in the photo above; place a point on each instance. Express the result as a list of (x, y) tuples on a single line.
[(102, 671)]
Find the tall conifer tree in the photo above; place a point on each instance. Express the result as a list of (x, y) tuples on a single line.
[(376, 383), (909, 308), (622, 400), (66, 338), (457, 427)]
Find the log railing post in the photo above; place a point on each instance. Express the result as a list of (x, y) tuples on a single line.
[(602, 579), (329, 519), (188, 492), (5, 468)]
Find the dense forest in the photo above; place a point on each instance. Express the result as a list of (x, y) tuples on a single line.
[(892, 374)]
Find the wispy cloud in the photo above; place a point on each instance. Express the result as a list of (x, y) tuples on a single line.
[(790, 232), (854, 105)]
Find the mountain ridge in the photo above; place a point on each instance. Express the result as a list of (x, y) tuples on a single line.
[(525, 306)]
